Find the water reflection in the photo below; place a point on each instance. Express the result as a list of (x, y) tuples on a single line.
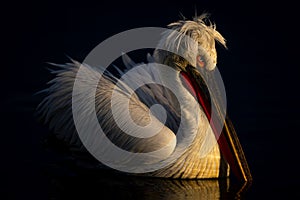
[(107, 185)]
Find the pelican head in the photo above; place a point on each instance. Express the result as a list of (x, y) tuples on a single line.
[(201, 50)]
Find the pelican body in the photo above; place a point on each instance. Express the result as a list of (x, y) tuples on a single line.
[(189, 161)]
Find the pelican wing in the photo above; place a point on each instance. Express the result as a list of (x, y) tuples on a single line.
[(56, 108)]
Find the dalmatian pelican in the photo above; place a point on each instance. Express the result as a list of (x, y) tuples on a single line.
[(225, 155)]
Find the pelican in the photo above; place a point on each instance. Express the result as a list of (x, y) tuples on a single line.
[(123, 117)]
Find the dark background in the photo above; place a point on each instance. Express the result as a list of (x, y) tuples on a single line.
[(260, 70)]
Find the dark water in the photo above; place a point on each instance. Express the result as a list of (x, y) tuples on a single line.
[(128, 187)]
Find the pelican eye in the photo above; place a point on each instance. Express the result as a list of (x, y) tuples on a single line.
[(200, 61)]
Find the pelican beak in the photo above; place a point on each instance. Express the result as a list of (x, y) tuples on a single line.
[(228, 141)]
